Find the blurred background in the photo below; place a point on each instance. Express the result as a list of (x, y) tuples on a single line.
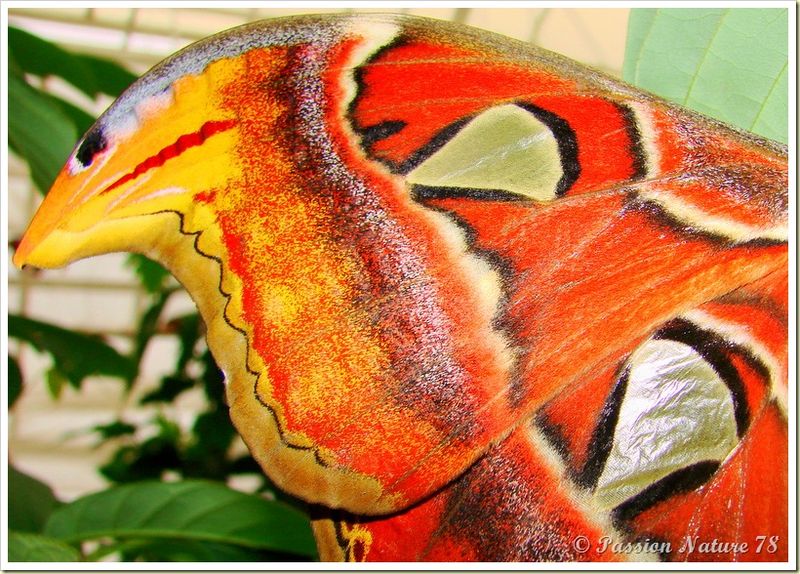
[(50, 437)]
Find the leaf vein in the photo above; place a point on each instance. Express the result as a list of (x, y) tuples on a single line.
[(767, 98), (702, 62)]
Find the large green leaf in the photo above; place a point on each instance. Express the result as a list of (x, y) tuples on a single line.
[(75, 355), (91, 75), (38, 130), (39, 57), (110, 78), (171, 550), (189, 510), (731, 64), (79, 118), (26, 547), (30, 502)]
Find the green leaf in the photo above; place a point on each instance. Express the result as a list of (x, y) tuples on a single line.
[(56, 381), (144, 461), (214, 431), (25, 547), (114, 429), (730, 64), (187, 551), (149, 459), (76, 355), (14, 381), (30, 502), (39, 57), (148, 328), (79, 118), (188, 328), (168, 390), (189, 510), (109, 77), (151, 274), (213, 379), (39, 131), (90, 74)]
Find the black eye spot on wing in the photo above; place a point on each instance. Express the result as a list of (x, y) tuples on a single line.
[(92, 144)]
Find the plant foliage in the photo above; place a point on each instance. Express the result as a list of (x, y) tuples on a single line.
[(148, 515), (730, 64)]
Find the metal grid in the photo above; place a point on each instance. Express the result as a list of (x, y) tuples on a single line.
[(102, 295)]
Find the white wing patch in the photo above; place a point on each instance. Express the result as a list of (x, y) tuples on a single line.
[(677, 411), (504, 148)]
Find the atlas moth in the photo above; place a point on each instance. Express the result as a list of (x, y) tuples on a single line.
[(473, 300)]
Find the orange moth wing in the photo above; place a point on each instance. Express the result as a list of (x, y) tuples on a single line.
[(472, 300)]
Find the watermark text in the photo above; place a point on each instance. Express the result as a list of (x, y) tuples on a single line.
[(689, 545)]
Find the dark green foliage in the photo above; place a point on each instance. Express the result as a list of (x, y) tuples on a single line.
[(75, 355), (114, 429), (38, 57), (30, 502), (154, 513), (151, 275), (14, 379)]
